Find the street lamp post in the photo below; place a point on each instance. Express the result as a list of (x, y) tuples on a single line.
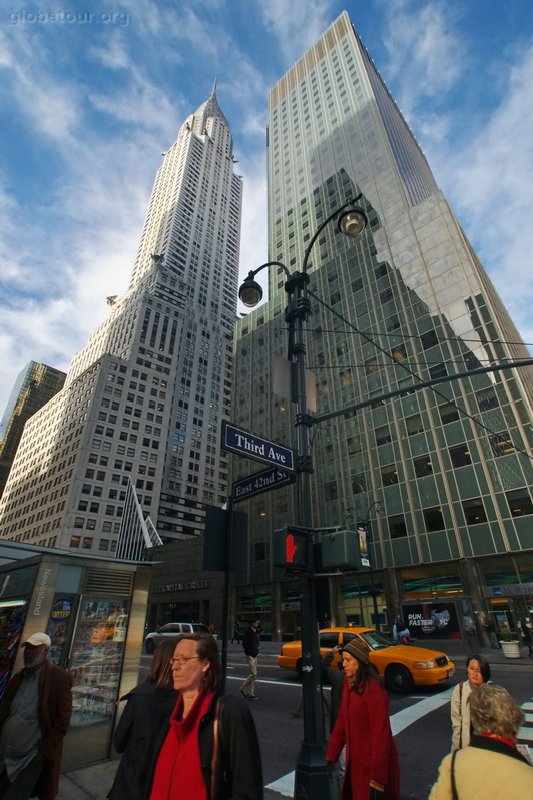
[(373, 591), (311, 781)]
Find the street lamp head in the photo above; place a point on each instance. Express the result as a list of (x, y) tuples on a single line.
[(250, 292), (352, 222)]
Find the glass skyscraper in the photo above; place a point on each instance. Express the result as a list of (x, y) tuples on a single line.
[(145, 398), (35, 385), (441, 477)]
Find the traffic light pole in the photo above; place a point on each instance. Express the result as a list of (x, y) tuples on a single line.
[(312, 780), (228, 536), (311, 776)]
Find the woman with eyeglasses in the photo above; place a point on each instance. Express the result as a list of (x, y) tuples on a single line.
[(208, 750), (148, 706), (477, 673)]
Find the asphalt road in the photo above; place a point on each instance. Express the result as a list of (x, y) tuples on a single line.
[(420, 721)]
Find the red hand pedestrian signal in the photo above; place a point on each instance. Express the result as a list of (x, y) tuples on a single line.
[(291, 548), (297, 549)]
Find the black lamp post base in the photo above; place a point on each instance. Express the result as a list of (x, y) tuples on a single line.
[(312, 781)]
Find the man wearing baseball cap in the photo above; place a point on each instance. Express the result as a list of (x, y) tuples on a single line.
[(34, 718)]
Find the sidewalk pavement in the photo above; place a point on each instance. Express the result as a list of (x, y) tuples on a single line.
[(93, 782)]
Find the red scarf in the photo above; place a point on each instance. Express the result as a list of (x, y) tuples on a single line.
[(178, 772), (508, 742)]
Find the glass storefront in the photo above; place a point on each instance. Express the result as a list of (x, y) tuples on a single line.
[(255, 605)]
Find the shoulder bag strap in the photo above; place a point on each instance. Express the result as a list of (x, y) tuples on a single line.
[(461, 715), (455, 796), (214, 754)]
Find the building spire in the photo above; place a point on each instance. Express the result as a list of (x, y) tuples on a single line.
[(209, 108)]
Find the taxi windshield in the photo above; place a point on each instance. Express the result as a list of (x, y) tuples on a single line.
[(376, 640)]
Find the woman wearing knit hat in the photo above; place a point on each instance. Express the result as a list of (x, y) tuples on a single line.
[(372, 767)]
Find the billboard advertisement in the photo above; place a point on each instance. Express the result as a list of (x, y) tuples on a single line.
[(432, 620), (363, 545)]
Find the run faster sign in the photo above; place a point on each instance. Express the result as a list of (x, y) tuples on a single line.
[(244, 443)]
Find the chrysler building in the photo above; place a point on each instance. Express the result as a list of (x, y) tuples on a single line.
[(145, 398)]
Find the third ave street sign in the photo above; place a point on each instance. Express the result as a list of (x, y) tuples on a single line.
[(244, 443), (260, 482)]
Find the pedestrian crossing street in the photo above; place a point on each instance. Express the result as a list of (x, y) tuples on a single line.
[(399, 722), (406, 717)]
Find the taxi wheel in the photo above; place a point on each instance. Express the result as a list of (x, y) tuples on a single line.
[(150, 647), (398, 679)]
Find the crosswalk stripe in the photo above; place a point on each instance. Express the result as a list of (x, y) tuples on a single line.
[(283, 785), (407, 716), (525, 735)]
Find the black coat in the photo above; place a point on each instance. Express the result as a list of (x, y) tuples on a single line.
[(239, 774), (250, 642), (335, 677), (147, 709)]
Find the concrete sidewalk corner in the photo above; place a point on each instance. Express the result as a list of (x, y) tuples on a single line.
[(88, 783), (95, 781)]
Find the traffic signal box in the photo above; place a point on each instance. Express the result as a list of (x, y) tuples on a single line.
[(340, 550), (293, 548)]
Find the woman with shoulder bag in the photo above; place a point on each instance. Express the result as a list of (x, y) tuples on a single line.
[(477, 673), (491, 767), (208, 750), (148, 706)]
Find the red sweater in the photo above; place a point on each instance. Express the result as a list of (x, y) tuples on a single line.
[(178, 771)]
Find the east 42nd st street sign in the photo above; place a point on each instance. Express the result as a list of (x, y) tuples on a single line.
[(259, 482)]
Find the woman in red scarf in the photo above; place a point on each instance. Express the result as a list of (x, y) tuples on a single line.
[(491, 766), (208, 750), (372, 767)]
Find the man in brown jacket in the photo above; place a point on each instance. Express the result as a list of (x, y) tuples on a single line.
[(34, 718)]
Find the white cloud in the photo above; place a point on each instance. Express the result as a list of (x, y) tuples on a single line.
[(426, 53), (490, 180), (297, 24), (113, 54), (254, 249), (136, 104)]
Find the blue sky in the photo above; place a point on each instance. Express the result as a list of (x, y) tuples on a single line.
[(91, 94)]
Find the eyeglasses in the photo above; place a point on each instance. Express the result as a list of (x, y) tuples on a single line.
[(182, 659)]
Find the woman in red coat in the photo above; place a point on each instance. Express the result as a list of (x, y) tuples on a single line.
[(372, 767)]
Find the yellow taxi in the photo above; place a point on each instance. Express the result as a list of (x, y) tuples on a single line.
[(401, 666)]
